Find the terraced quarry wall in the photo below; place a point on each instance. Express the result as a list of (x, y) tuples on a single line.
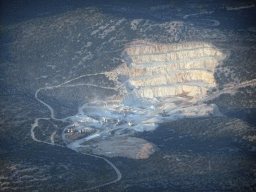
[(159, 70)]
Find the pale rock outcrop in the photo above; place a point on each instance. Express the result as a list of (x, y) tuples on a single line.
[(165, 67), (160, 70), (177, 77), (163, 91)]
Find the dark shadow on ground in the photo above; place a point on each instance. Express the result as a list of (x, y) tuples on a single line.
[(167, 139), (13, 11), (68, 169), (248, 114)]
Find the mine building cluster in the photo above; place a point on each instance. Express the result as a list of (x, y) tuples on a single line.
[(73, 130)]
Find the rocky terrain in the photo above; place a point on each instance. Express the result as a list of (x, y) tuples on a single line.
[(119, 98)]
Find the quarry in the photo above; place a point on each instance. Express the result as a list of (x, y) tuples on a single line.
[(121, 98)]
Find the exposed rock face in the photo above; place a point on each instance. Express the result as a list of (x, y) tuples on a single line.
[(159, 70)]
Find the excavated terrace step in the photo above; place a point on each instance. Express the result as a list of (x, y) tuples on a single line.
[(151, 69), (144, 47), (194, 89), (176, 56), (180, 76)]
